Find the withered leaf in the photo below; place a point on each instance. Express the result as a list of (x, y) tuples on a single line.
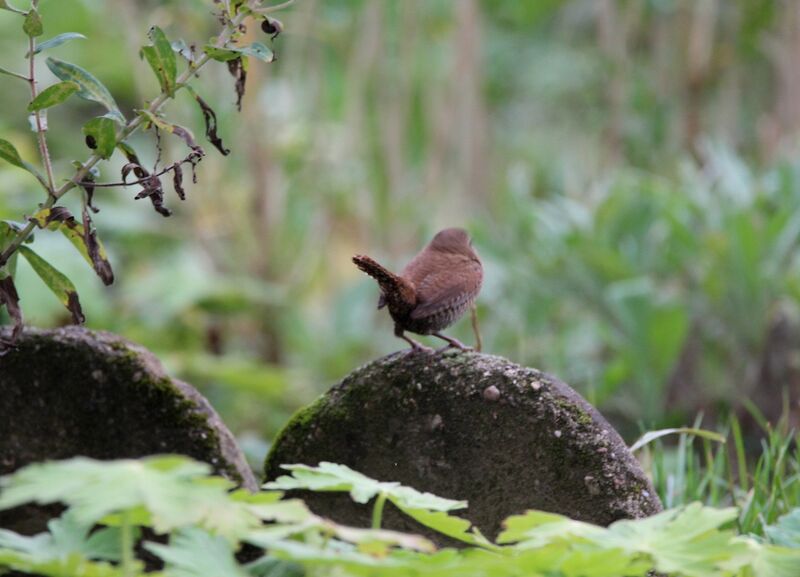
[(177, 181), (10, 298), (238, 69), (74, 307), (97, 254), (210, 118)]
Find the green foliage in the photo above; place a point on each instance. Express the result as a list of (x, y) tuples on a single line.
[(161, 59), (256, 49), (90, 87), (9, 153), (52, 95), (762, 487), (103, 134), (206, 523), (786, 532), (55, 280), (56, 41), (33, 24)]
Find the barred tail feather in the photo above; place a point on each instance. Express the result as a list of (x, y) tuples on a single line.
[(394, 289)]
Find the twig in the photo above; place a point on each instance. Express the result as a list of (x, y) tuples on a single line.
[(475, 328), (230, 28), (40, 130), (170, 168)]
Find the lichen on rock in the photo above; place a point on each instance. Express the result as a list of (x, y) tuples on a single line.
[(72, 391), (468, 426)]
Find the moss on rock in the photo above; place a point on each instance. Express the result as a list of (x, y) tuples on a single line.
[(468, 426), (72, 391)]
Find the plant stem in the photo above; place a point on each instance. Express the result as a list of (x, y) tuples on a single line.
[(40, 130), (377, 511), (230, 28), (126, 545)]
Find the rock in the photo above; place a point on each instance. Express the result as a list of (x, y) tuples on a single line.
[(72, 391), (467, 426)]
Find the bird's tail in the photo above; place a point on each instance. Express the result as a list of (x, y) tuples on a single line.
[(394, 288)]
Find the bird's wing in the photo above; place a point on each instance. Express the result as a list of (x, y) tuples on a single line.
[(447, 288)]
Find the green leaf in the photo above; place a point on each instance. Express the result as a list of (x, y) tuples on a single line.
[(8, 231), (4, 5), (90, 87), (66, 536), (256, 49), (183, 133), (162, 60), (57, 282), (33, 24), (786, 532), (174, 489), (74, 565), (651, 436), (52, 95), (332, 477), (9, 153), (56, 41), (194, 553), (90, 247), (104, 134)]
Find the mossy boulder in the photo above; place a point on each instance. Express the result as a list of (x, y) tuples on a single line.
[(467, 426), (72, 391)]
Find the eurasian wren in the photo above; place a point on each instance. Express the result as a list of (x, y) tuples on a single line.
[(434, 289)]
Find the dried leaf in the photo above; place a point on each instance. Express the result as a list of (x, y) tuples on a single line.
[(210, 118), (10, 298), (177, 181), (238, 69)]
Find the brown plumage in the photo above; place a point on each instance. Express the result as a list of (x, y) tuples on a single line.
[(434, 289)]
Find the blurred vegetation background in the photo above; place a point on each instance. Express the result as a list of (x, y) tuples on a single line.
[(628, 168)]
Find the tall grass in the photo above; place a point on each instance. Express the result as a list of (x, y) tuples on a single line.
[(764, 482)]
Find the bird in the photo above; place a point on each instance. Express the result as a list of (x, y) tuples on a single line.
[(433, 291)]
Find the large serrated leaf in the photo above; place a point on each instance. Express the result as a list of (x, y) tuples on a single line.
[(91, 88), (332, 477), (175, 490), (786, 532), (56, 41), (52, 95), (161, 59), (104, 135), (57, 282)]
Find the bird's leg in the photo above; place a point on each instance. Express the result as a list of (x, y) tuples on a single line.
[(452, 342), (415, 346)]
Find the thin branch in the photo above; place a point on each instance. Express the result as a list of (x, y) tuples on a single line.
[(40, 130), (229, 30), (170, 168), (15, 75)]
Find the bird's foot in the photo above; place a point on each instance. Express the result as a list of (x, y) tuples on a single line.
[(452, 343), (420, 349)]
